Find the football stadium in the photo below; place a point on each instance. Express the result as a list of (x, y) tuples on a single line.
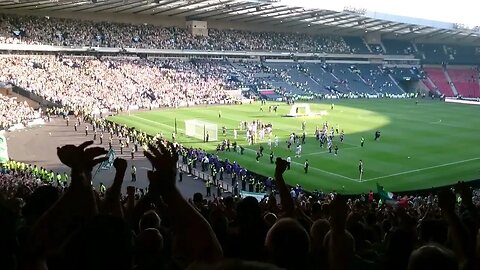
[(232, 134)]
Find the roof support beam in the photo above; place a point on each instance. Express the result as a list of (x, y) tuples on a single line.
[(311, 14), (450, 35), (201, 8), (98, 5), (126, 7), (27, 6), (417, 35), (230, 13), (464, 37), (17, 5), (268, 12), (354, 29), (319, 20), (216, 12), (349, 21), (180, 6), (231, 16)]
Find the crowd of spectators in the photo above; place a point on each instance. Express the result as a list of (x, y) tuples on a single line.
[(47, 227), (14, 112), (71, 32), (115, 83)]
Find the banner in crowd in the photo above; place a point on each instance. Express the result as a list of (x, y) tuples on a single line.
[(108, 164), (258, 196), (386, 197), (3, 149)]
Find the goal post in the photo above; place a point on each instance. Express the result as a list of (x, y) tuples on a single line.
[(301, 109), (199, 129)]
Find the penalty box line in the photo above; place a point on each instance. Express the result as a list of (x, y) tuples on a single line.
[(327, 151), (293, 162), (317, 169), (423, 169)]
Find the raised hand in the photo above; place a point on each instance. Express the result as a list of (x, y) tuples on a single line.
[(465, 192), (446, 200), (80, 158), (281, 166), (339, 212), (111, 204), (164, 161), (120, 164)]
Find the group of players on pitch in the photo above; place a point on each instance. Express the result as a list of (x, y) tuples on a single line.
[(324, 135)]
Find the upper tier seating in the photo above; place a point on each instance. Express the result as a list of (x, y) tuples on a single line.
[(356, 45), (70, 32), (432, 53), (398, 46), (465, 55)]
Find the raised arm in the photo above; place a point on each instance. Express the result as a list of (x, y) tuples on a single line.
[(111, 204), (285, 198), (76, 205), (191, 229), (462, 242)]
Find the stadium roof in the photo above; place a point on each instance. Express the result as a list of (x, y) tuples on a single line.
[(269, 13)]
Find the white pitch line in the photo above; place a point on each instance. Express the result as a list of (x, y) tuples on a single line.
[(154, 122), (326, 151), (327, 172), (316, 169), (423, 169)]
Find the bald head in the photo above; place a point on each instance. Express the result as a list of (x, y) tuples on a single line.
[(432, 257), (287, 243)]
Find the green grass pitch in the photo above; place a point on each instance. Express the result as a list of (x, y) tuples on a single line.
[(423, 145)]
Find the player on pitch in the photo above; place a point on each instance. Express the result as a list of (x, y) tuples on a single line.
[(360, 169)]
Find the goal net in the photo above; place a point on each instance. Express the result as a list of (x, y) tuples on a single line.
[(300, 110), (200, 129)]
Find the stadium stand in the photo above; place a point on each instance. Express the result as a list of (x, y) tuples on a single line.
[(379, 80), (432, 53), (48, 224), (437, 76), (398, 47), (462, 55), (13, 112), (58, 79), (357, 45), (465, 81), (69, 32)]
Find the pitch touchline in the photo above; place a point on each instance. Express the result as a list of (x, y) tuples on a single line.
[(423, 169)]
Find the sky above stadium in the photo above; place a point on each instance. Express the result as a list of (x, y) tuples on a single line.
[(458, 11)]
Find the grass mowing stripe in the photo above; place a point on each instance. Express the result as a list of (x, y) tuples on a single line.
[(406, 129), (153, 122)]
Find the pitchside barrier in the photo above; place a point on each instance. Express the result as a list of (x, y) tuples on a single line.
[(469, 101)]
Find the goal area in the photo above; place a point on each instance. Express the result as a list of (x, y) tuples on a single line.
[(200, 129), (301, 109)]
